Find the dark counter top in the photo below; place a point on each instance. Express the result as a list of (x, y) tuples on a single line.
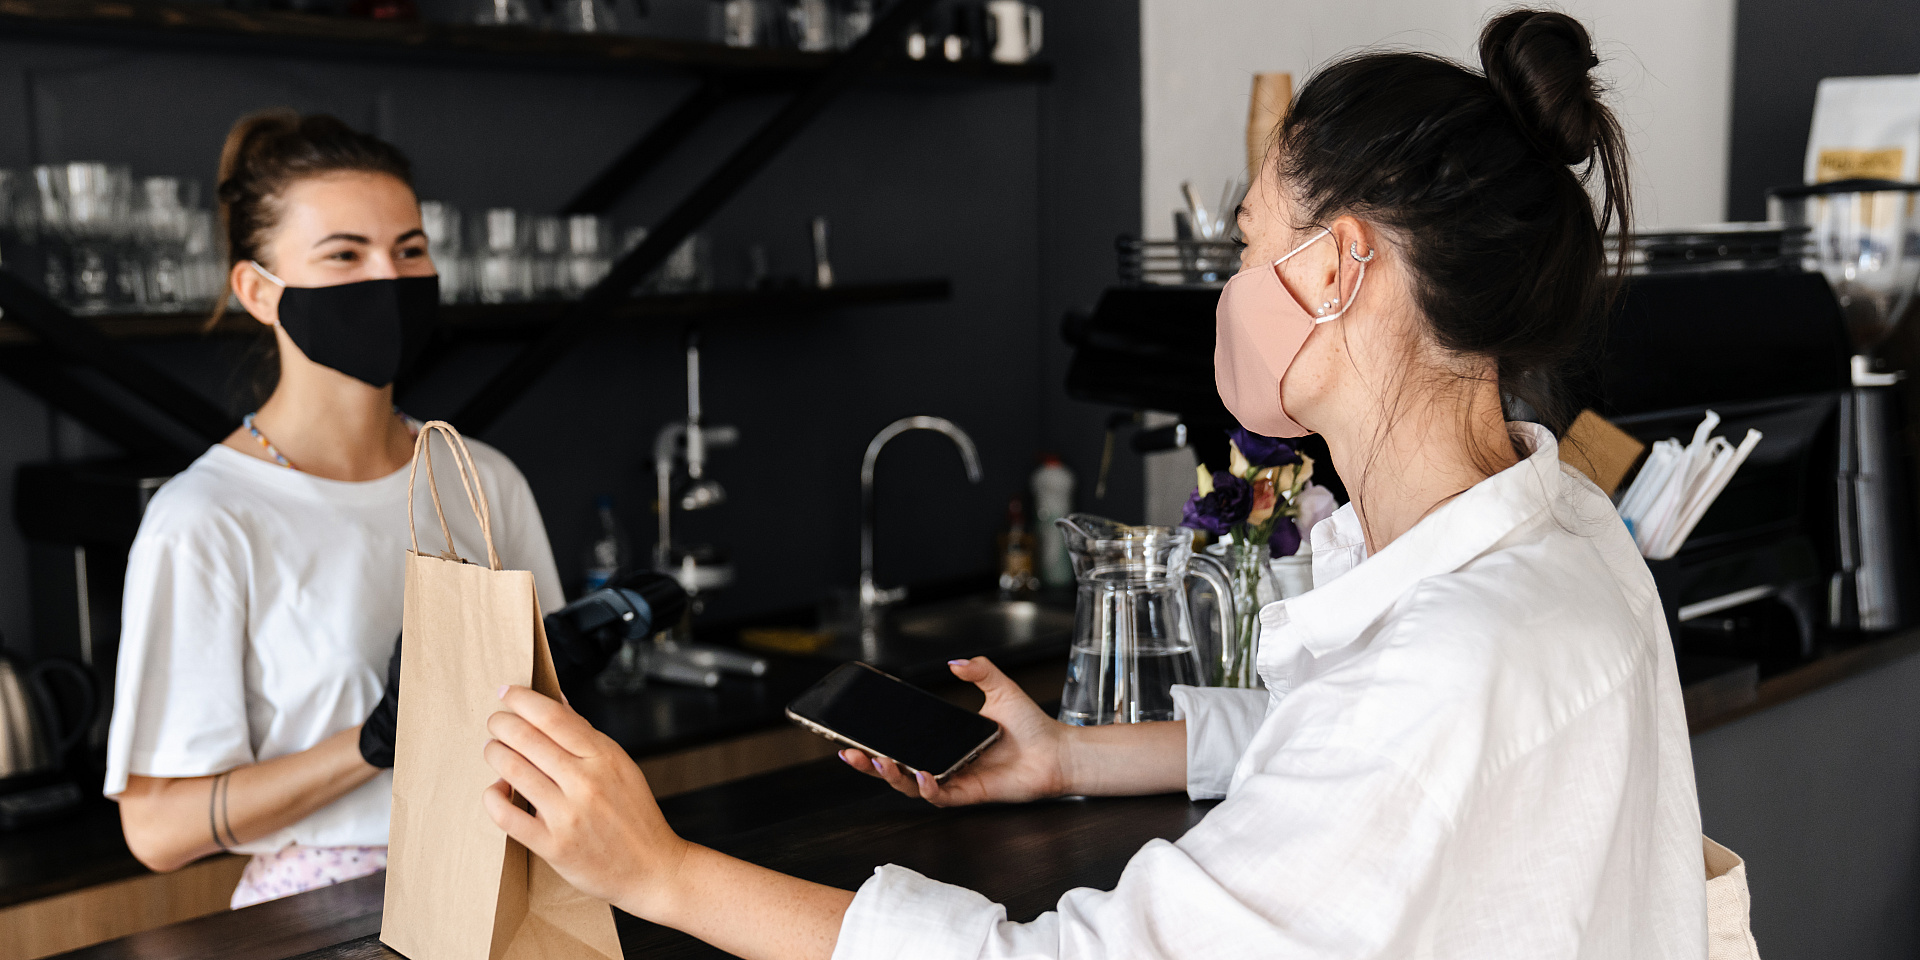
[(86, 848), (663, 718), (820, 821)]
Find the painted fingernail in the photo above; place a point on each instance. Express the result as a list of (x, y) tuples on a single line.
[(920, 777), (501, 694), (958, 663), (877, 768)]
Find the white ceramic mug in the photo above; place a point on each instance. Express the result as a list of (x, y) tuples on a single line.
[(1016, 30)]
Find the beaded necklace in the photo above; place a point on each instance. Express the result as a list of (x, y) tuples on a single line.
[(413, 427)]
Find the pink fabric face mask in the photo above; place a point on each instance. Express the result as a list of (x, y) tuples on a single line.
[(1260, 329)]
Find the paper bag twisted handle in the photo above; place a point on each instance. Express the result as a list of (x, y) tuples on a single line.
[(469, 479)]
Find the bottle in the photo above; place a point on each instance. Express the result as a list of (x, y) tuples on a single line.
[(1016, 555), (1052, 499), (608, 554)]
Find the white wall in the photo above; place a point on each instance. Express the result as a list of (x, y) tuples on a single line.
[(1669, 62)]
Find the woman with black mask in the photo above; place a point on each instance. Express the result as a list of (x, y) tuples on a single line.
[(252, 710)]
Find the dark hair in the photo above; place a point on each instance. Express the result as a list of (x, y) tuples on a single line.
[(1475, 175), (269, 151)]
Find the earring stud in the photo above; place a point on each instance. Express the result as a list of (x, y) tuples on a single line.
[(1323, 309)]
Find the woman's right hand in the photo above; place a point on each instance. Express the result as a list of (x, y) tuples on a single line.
[(1029, 762)]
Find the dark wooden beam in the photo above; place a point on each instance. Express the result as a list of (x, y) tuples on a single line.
[(78, 341), (37, 371), (587, 314), (653, 146)]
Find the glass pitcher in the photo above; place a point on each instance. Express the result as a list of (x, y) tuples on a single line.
[(1134, 631)]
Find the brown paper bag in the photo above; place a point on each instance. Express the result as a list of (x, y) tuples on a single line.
[(457, 887)]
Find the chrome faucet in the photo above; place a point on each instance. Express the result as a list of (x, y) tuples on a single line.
[(870, 595)]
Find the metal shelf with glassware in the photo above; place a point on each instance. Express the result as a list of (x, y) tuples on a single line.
[(515, 44)]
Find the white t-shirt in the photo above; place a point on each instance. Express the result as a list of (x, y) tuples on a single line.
[(261, 609)]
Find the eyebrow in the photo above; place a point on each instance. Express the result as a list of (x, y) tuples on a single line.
[(357, 238)]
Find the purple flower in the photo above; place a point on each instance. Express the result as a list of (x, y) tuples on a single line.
[(1228, 504), (1263, 451), (1285, 541)]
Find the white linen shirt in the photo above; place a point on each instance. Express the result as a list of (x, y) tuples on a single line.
[(1471, 745)]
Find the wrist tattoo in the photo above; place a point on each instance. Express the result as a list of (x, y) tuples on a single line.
[(218, 816), (226, 790), (213, 805)]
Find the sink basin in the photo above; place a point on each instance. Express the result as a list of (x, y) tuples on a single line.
[(987, 622), (972, 626)]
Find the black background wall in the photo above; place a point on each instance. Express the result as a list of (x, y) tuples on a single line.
[(1781, 49), (1012, 190)]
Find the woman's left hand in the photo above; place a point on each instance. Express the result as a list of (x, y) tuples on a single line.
[(594, 818)]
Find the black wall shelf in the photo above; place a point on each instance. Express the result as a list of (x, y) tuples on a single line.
[(280, 33), (515, 321), (810, 81)]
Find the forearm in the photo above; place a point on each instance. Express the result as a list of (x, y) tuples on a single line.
[(173, 821), (745, 910), (1126, 759)]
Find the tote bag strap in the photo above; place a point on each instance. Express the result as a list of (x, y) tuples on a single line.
[(469, 479)]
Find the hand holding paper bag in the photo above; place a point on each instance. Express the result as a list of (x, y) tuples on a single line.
[(457, 887), (597, 817)]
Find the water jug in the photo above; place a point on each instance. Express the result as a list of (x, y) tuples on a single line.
[(1135, 634)]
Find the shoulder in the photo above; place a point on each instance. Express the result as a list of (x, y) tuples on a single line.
[(1547, 598), (1526, 639), (212, 493)]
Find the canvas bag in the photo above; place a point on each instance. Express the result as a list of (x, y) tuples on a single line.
[(1729, 924), (457, 887)]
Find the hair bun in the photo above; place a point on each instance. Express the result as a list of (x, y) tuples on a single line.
[(1539, 63)]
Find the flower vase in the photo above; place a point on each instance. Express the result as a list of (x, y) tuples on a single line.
[(1251, 591)]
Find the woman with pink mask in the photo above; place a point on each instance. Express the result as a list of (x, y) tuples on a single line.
[(1471, 742)]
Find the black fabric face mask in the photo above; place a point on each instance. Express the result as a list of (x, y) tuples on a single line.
[(371, 330)]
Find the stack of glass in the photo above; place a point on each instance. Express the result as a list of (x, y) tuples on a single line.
[(811, 25), (98, 241), (101, 241), (502, 255)]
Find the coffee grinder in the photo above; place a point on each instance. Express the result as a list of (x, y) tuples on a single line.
[(1864, 236)]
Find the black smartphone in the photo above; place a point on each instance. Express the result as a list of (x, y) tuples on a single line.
[(883, 715)]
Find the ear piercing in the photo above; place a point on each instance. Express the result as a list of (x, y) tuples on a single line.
[(1327, 305), (1353, 250)]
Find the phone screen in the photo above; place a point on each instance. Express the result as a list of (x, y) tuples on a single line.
[(901, 721)]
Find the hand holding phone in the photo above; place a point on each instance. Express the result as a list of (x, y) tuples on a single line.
[(1028, 762)]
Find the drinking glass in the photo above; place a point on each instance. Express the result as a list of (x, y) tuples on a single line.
[(589, 253), (811, 24), (855, 18), (442, 221), (506, 275), (587, 16), (549, 236), (502, 13)]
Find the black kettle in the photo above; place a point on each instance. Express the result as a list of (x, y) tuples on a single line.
[(35, 734)]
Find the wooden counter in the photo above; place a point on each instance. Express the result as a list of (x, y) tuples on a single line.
[(58, 860)]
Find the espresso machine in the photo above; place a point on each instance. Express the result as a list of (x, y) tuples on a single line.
[(1740, 319), (1864, 237)]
